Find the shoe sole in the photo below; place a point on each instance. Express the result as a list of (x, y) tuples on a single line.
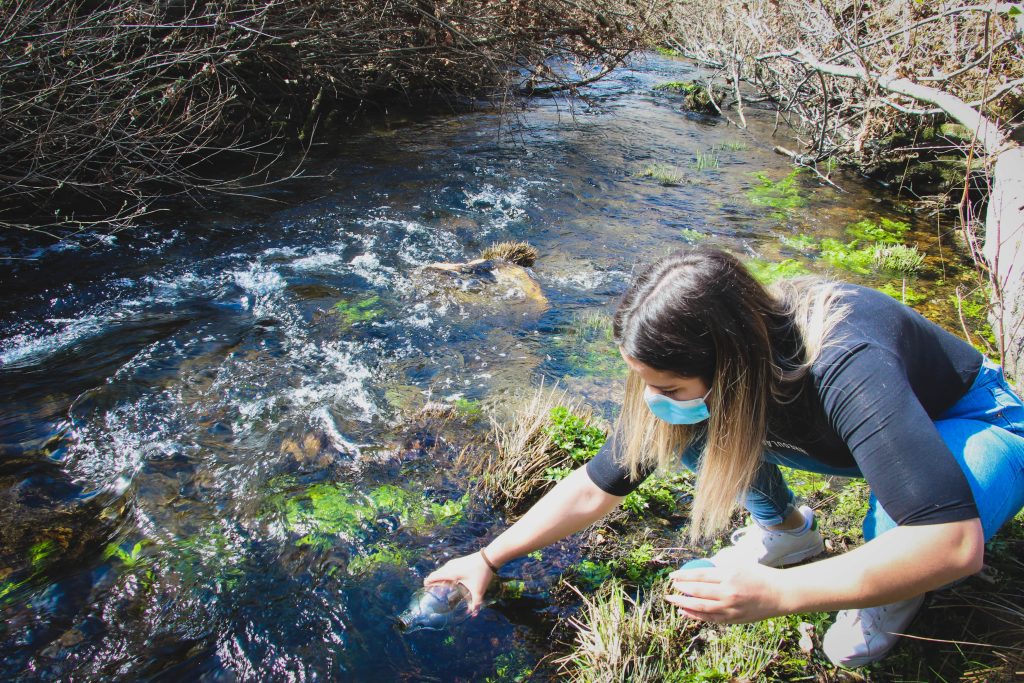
[(798, 556)]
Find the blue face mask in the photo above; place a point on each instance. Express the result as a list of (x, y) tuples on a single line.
[(677, 412)]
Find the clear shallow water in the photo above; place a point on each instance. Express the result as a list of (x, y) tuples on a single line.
[(206, 422)]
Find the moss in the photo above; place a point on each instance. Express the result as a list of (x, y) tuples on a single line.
[(681, 87), (692, 236), (468, 407)]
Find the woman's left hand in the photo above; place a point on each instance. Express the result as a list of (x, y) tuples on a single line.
[(727, 596)]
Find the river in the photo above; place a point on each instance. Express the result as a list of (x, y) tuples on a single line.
[(216, 464)]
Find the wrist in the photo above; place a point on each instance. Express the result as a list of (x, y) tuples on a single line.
[(487, 560)]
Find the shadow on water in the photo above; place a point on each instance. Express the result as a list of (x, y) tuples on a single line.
[(218, 453)]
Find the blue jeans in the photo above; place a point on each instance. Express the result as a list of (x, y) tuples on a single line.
[(984, 430)]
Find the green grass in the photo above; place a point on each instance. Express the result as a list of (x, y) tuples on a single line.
[(663, 174), (897, 258), (706, 160)]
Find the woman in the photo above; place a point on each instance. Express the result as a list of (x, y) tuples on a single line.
[(835, 379)]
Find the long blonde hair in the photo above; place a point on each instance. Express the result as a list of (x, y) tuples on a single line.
[(699, 313)]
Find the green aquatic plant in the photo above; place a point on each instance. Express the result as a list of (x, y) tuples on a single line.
[(326, 510), (510, 667), (40, 553), (636, 564), (354, 312), (799, 242), (883, 230), (903, 293), (681, 87), (782, 196), (381, 556), (692, 236), (847, 255), (768, 272), (664, 174), (659, 493), (468, 407), (589, 346), (576, 436), (590, 574), (733, 146), (129, 559), (898, 258), (667, 51), (707, 160)]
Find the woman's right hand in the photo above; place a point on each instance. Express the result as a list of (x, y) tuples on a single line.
[(469, 570)]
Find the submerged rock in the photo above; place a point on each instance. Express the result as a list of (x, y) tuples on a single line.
[(488, 277)]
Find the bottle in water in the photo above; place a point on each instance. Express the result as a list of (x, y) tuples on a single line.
[(435, 607)]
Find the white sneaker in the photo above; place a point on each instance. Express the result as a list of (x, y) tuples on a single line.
[(756, 545), (862, 636)]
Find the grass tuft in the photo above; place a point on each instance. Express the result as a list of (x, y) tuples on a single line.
[(519, 253), (664, 174)]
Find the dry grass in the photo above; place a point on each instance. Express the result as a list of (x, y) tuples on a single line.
[(525, 459), (519, 253)]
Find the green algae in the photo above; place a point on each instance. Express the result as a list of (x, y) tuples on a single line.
[(589, 347), (903, 293), (847, 255), (781, 196), (768, 272), (327, 511), (353, 312), (384, 555), (883, 230)]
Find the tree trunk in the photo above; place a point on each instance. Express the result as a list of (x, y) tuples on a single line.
[(1004, 250)]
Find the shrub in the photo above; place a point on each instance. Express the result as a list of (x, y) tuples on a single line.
[(106, 106)]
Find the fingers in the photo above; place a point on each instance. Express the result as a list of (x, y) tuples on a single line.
[(699, 606), (710, 574)]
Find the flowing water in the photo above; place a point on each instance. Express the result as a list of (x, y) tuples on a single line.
[(216, 460)]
